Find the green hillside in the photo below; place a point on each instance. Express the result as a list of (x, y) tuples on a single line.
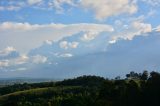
[(135, 90)]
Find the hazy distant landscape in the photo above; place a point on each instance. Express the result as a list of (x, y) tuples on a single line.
[(12, 81), (79, 52)]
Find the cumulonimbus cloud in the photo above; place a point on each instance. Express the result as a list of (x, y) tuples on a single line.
[(25, 36)]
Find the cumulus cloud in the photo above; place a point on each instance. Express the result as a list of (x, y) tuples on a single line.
[(136, 28), (142, 27), (63, 44), (25, 36), (106, 8), (8, 53), (7, 50), (39, 59), (21, 59), (88, 36), (14, 61), (18, 26), (66, 44), (73, 44), (9, 57)]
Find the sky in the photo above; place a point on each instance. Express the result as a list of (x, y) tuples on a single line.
[(37, 33)]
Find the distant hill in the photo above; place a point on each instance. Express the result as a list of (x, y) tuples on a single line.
[(21, 80)]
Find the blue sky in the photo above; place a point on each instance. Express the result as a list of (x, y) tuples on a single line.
[(41, 12), (70, 28)]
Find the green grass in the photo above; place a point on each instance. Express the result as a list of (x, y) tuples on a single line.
[(37, 92)]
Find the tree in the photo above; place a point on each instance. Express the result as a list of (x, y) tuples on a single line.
[(117, 78), (144, 75), (132, 75), (128, 76)]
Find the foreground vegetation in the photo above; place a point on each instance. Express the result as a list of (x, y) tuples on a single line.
[(138, 89)]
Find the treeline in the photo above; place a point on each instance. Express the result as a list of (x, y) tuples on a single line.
[(137, 89), (25, 86)]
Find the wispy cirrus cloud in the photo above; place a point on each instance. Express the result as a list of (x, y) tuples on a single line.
[(101, 8), (9, 8), (32, 2), (152, 2)]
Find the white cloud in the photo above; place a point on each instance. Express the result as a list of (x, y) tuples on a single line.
[(7, 50), (142, 27), (12, 5), (9, 8), (4, 63), (63, 44), (79, 27), (88, 36), (10, 49), (39, 59), (21, 69), (158, 29), (22, 59), (66, 55), (25, 36), (8, 53), (14, 61), (73, 44), (13, 26), (136, 28), (152, 2), (48, 42), (58, 4), (67, 45), (101, 8), (32, 2), (106, 8), (63, 55), (9, 56), (112, 41)]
